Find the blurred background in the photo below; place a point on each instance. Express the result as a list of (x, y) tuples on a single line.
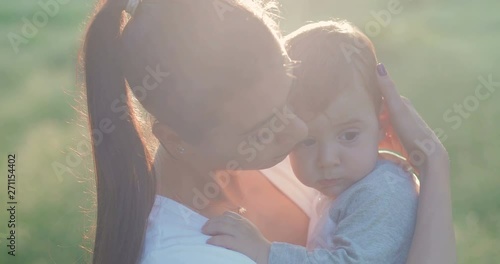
[(438, 53)]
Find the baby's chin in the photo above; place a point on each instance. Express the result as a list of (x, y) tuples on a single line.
[(332, 191)]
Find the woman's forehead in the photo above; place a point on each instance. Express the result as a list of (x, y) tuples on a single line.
[(252, 107)]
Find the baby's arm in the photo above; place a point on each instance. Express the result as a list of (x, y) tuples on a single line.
[(374, 225)]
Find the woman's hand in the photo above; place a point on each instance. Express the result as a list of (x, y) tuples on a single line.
[(434, 238), (232, 231), (420, 142)]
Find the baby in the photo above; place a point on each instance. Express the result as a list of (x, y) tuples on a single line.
[(366, 206)]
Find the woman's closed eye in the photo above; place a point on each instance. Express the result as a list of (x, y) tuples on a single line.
[(264, 136), (307, 142), (349, 136)]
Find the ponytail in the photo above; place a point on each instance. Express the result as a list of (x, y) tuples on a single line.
[(125, 181)]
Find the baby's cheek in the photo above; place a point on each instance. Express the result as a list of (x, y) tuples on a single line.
[(362, 162), (302, 168)]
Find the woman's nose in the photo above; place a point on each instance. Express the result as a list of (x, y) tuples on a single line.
[(295, 131), (299, 130)]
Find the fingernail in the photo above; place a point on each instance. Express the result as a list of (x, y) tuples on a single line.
[(381, 69)]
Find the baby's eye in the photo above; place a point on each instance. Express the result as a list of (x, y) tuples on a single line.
[(349, 135), (308, 142)]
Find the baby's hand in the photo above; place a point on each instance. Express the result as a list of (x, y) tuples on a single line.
[(233, 231)]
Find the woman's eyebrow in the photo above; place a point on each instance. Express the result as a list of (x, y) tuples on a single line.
[(258, 125)]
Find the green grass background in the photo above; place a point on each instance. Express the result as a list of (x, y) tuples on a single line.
[(434, 51)]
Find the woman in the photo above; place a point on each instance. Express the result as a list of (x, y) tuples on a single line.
[(212, 74)]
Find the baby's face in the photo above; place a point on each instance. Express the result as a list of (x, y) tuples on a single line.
[(342, 145)]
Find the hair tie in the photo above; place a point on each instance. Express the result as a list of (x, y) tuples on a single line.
[(131, 6)]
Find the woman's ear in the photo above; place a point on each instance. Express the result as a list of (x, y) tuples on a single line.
[(161, 132), (172, 143)]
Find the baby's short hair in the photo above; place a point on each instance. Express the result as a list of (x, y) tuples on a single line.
[(329, 54)]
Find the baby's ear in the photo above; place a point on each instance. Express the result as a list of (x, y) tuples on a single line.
[(390, 140), (383, 122), (381, 133)]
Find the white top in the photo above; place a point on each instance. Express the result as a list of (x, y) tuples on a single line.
[(174, 233), (283, 178)]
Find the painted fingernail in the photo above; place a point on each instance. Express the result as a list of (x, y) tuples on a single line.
[(381, 69)]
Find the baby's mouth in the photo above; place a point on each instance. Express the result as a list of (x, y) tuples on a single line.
[(328, 182)]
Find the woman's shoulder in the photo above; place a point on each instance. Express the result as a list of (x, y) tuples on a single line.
[(173, 235)]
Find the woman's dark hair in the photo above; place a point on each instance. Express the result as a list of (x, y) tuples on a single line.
[(179, 58)]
